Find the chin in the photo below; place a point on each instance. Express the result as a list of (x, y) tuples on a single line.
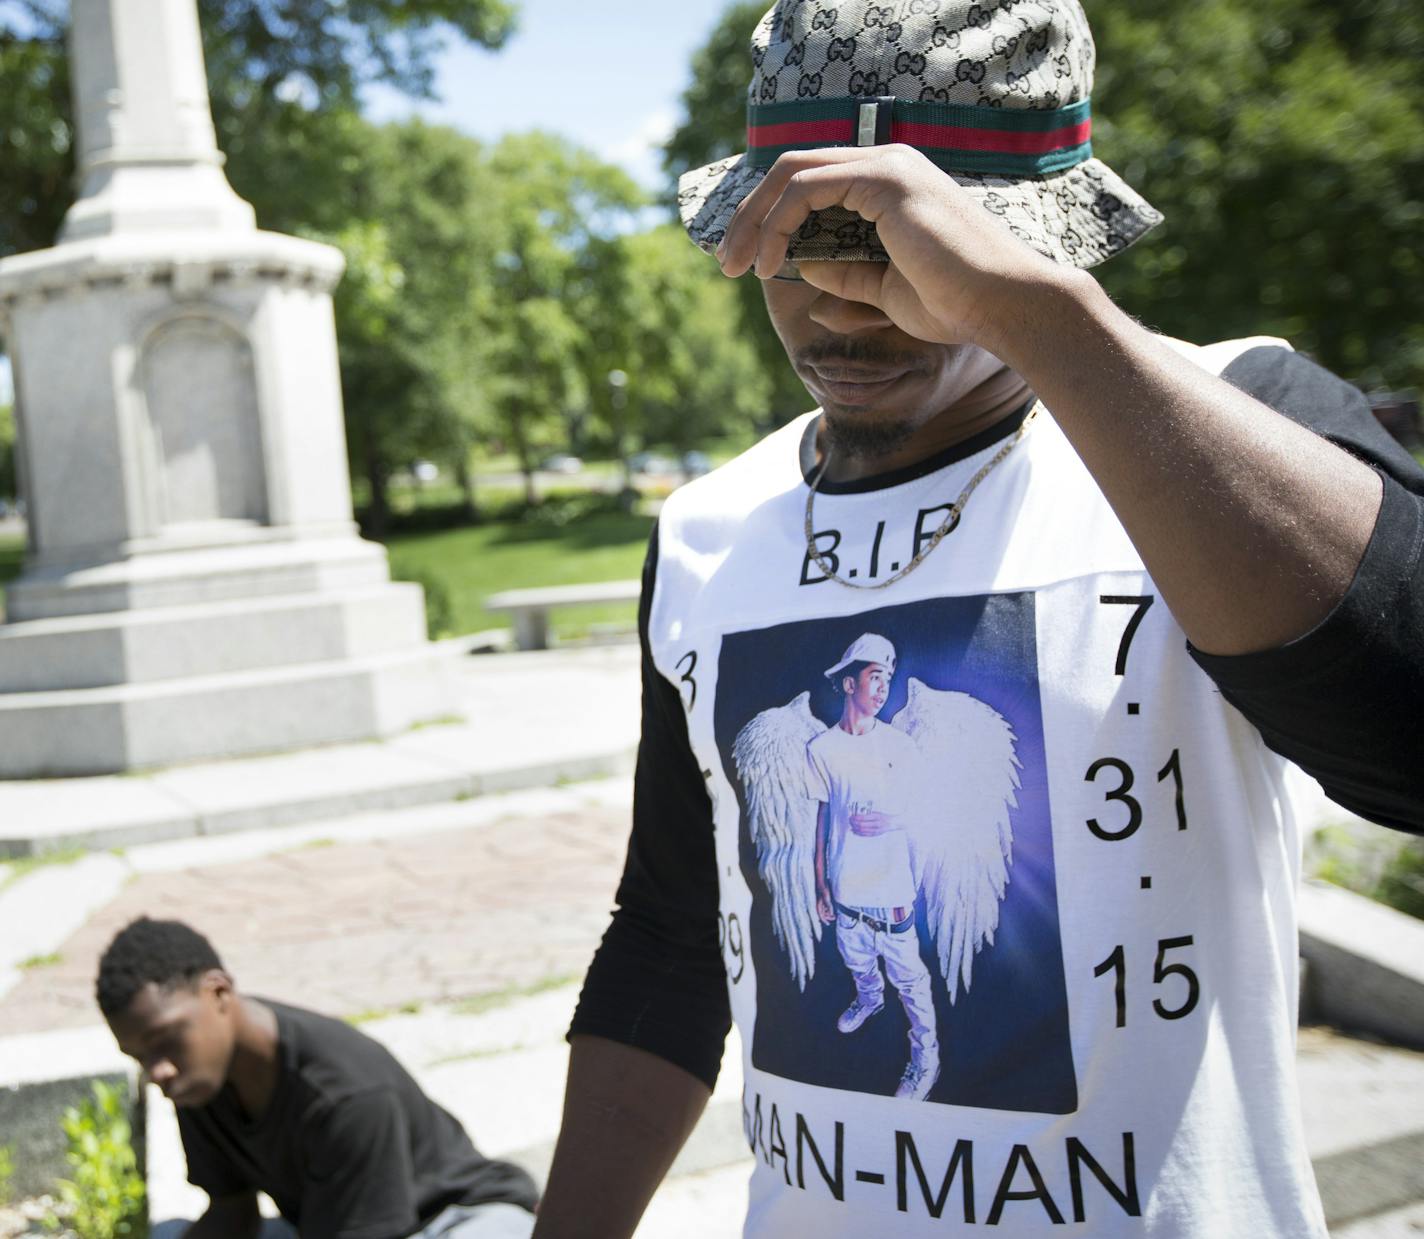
[(858, 431)]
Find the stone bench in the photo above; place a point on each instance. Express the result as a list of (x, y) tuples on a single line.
[(530, 607)]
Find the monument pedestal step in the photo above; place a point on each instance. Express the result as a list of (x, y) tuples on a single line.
[(264, 562), (134, 726), (170, 643)]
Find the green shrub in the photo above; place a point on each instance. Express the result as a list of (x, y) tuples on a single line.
[(439, 610), (7, 1172), (106, 1198), (1401, 885), (1380, 864)]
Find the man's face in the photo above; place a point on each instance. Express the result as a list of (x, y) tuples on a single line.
[(182, 1038), (876, 384), (870, 689)]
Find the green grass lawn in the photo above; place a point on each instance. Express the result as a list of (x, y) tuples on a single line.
[(472, 563)]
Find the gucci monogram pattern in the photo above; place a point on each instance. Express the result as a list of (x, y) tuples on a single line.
[(1028, 54)]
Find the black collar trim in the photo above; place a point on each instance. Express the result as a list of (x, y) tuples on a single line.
[(898, 477)]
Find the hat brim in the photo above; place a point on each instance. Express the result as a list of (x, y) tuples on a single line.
[(1078, 217)]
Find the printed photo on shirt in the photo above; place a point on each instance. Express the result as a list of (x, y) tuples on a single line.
[(895, 833)]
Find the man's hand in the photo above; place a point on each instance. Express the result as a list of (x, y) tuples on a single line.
[(825, 907), (955, 273), (871, 822)]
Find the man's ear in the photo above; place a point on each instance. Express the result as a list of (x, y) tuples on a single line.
[(220, 985)]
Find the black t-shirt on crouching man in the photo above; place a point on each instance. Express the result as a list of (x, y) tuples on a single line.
[(349, 1147)]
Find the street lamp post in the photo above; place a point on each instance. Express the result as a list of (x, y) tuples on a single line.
[(618, 401)]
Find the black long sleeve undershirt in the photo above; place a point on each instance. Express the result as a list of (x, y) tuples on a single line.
[(657, 981), (1343, 701)]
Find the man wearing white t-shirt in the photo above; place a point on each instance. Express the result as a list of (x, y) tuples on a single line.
[(865, 776), (1158, 570)]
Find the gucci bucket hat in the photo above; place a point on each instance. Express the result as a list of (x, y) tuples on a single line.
[(997, 93)]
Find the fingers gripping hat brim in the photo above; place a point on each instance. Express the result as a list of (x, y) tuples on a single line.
[(1078, 217), (996, 93)]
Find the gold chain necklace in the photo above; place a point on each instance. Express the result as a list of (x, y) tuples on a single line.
[(946, 526)]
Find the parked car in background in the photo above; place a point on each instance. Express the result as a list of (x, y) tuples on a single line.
[(652, 463), (695, 464), (562, 462)]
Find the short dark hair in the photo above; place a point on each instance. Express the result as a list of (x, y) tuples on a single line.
[(850, 669), (165, 953)]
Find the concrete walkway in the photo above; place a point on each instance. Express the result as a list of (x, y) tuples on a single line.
[(527, 720), (455, 934)]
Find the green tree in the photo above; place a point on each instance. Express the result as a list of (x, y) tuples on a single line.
[(714, 125), (552, 208), (671, 322), (714, 104), (277, 70), (1284, 141), (414, 308)]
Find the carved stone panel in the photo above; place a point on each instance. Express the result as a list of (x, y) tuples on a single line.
[(200, 394)]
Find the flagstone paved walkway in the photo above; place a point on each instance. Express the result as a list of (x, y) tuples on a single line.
[(359, 927)]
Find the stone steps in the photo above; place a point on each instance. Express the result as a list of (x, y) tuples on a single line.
[(222, 638)]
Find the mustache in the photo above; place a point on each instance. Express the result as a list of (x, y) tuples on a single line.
[(850, 352)]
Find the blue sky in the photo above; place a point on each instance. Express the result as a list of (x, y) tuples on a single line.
[(609, 76)]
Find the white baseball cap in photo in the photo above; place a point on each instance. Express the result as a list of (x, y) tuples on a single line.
[(869, 647)]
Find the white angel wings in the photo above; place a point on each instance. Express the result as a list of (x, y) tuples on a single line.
[(961, 856), (770, 755)]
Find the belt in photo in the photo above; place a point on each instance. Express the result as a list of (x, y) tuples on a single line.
[(880, 927)]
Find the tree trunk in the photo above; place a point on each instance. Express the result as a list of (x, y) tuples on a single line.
[(378, 513), (526, 465), (469, 504)]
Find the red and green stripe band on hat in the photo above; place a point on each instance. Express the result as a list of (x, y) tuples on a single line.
[(998, 141)]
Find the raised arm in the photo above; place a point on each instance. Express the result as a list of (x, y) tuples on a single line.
[(1294, 566), (1252, 527)]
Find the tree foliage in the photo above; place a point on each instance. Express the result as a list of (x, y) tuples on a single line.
[(714, 125), (553, 205), (714, 104), (35, 142), (277, 70), (670, 322), (1283, 139)]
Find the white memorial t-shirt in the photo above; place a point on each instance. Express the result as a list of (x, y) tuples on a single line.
[(1108, 905)]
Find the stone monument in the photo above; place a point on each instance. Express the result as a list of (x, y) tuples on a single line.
[(194, 584)]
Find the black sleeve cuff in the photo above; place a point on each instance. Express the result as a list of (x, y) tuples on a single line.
[(641, 994), (1343, 700)]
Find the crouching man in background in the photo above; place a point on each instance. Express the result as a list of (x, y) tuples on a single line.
[(275, 1099)]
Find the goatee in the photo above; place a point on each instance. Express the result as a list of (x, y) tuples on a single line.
[(851, 438)]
